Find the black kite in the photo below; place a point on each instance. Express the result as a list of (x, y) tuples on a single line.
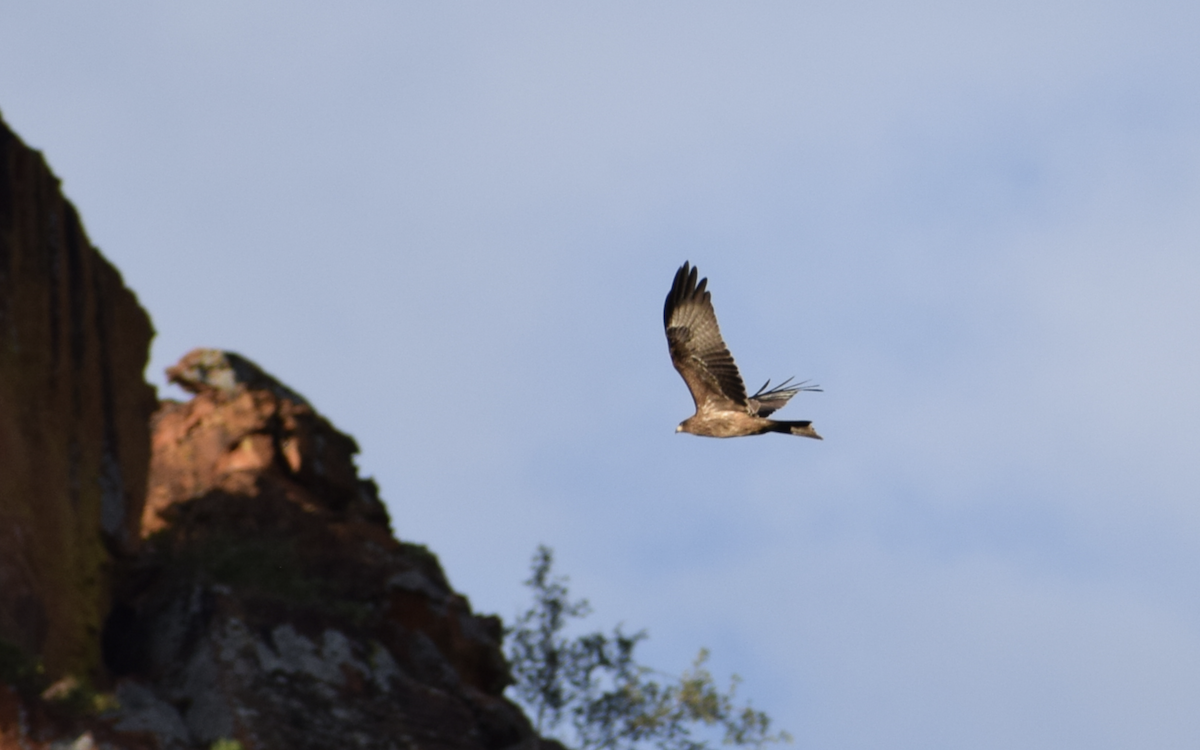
[(699, 353)]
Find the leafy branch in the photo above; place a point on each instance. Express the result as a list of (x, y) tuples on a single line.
[(594, 684)]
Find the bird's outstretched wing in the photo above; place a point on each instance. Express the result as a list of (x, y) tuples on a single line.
[(697, 349), (765, 402)]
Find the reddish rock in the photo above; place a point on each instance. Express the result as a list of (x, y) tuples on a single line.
[(252, 437), (73, 411)]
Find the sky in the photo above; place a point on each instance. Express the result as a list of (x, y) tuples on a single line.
[(451, 227)]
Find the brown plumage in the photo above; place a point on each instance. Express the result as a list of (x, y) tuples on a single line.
[(699, 353)]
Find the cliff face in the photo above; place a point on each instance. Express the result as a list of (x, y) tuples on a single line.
[(176, 575), (73, 414)]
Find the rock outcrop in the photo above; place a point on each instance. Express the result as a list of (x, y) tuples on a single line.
[(199, 574), (270, 602)]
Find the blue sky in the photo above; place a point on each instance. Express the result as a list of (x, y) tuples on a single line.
[(452, 227)]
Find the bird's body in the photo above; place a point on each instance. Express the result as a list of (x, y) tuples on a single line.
[(699, 354)]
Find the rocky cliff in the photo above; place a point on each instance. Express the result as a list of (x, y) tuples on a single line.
[(73, 414), (211, 573)]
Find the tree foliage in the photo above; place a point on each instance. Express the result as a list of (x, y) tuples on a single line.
[(594, 685)]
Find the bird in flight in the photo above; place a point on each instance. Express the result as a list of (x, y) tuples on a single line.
[(699, 353)]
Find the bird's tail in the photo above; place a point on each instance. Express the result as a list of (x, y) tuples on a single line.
[(803, 429)]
